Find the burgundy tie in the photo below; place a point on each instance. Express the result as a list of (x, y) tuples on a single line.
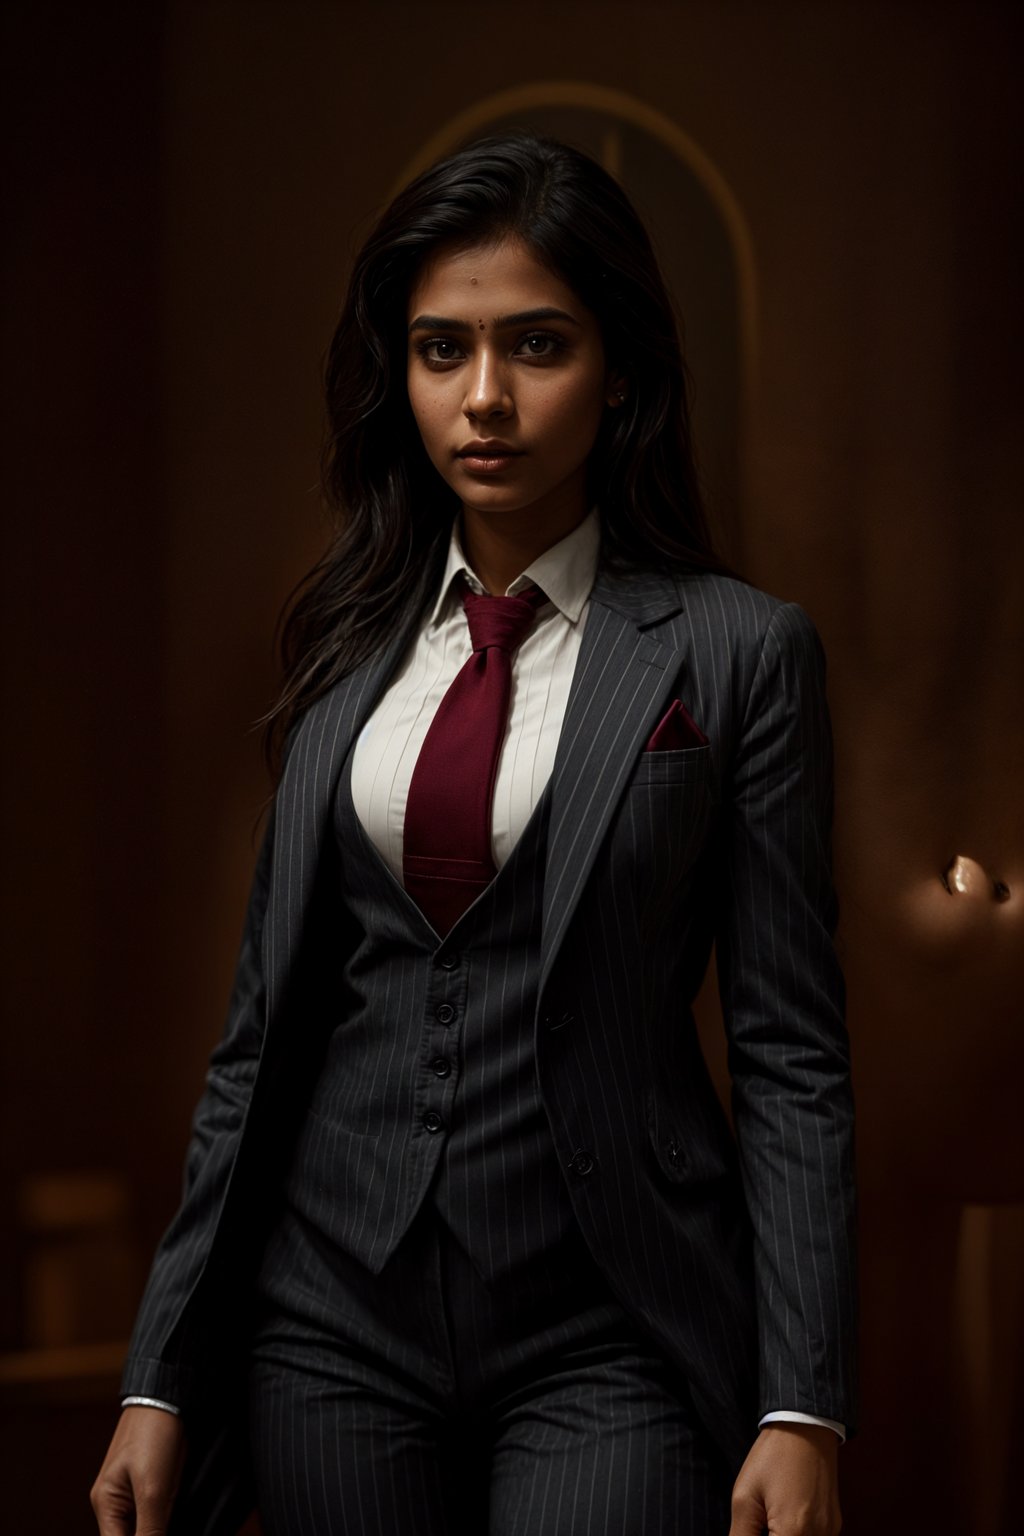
[(446, 845)]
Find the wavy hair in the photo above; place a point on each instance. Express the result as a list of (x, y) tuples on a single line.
[(390, 508)]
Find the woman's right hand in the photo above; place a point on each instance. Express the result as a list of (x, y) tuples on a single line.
[(135, 1489)]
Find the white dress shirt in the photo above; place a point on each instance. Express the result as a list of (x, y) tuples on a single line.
[(542, 671)]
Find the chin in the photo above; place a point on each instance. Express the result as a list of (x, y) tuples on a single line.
[(497, 498)]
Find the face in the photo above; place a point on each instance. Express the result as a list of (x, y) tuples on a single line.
[(508, 382)]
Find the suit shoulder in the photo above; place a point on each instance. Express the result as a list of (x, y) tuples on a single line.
[(725, 606)]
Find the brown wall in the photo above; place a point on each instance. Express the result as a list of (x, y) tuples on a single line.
[(185, 186)]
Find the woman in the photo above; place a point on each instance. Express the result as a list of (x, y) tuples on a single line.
[(466, 1242)]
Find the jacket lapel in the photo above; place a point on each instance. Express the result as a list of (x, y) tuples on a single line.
[(623, 679), (304, 800), (622, 682)]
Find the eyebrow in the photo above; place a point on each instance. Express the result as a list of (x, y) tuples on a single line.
[(501, 322)]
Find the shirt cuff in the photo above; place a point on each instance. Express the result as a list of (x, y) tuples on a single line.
[(791, 1416), (149, 1402)]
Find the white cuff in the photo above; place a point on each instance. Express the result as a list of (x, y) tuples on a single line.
[(149, 1402), (791, 1416)]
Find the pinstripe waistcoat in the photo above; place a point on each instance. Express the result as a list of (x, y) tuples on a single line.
[(429, 1082), (737, 1254)]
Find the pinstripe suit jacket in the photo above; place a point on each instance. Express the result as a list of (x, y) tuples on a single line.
[(738, 1255)]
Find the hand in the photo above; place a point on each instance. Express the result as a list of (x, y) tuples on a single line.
[(788, 1483), (134, 1492)]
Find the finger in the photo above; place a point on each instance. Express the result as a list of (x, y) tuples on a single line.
[(114, 1509), (153, 1515), (748, 1517)]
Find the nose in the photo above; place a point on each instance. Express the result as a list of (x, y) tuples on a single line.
[(487, 390)]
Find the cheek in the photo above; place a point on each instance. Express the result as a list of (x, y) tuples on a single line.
[(573, 417), (429, 416)]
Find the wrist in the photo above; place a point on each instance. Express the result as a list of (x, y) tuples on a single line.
[(817, 1435)]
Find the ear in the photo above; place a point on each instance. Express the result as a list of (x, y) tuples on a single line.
[(617, 389)]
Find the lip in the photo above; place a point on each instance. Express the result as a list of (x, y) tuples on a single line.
[(488, 458), (492, 448)]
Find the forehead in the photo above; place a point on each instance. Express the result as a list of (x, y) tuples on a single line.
[(487, 278)]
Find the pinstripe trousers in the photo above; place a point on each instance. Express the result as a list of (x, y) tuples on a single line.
[(424, 1400)]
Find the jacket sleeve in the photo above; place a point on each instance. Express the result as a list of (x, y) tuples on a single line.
[(783, 1002), (161, 1361)]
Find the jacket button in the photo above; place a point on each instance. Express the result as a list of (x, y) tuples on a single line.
[(581, 1162), (432, 1121), (440, 1066), (674, 1152), (444, 1013)]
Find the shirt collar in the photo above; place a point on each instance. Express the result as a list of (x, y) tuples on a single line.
[(565, 572)]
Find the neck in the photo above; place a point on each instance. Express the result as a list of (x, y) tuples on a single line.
[(500, 546)]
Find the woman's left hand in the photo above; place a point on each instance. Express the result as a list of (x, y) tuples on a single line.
[(788, 1483)]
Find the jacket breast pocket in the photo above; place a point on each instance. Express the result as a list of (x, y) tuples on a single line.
[(684, 765), (661, 827)]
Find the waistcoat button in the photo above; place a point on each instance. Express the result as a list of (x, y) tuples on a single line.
[(448, 962), (581, 1162), (432, 1121), (444, 1013), (441, 1066)]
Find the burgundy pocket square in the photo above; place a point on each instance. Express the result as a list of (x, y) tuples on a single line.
[(676, 730)]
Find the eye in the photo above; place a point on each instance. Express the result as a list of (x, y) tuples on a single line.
[(542, 345), (437, 351)]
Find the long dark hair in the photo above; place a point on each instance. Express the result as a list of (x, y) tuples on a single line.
[(392, 511)]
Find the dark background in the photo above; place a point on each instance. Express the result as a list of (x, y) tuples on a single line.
[(834, 189)]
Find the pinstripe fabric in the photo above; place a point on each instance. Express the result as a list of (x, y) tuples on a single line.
[(714, 1251), (174, 1341), (423, 1401), (429, 1078)]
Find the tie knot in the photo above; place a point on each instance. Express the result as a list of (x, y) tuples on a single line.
[(503, 622)]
